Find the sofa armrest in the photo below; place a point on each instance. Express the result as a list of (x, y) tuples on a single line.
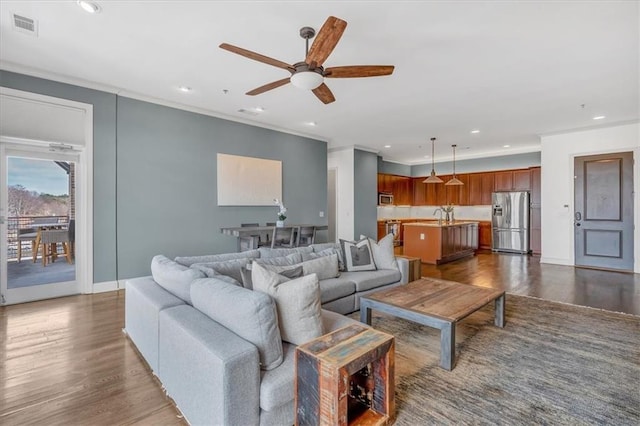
[(212, 374), (403, 265)]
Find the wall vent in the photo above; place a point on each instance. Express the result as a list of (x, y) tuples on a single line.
[(25, 25)]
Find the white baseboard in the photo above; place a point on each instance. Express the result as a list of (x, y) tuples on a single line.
[(556, 261), (105, 286)]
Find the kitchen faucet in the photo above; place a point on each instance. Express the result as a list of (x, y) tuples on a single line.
[(440, 218)]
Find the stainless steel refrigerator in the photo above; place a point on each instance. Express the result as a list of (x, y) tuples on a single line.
[(510, 221)]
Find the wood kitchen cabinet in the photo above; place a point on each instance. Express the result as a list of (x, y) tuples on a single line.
[(484, 235), (513, 180), (419, 192), (480, 188), (402, 191)]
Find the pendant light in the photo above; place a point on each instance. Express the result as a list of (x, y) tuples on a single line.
[(433, 178), (454, 180)]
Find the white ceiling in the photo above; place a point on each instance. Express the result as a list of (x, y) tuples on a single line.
[(512, 69)]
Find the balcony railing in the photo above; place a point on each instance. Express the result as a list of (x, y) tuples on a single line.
[(24, 222)]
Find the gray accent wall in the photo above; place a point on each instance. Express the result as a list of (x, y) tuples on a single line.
[(104, 161), (365, 199), (167, 182), (391, 168), (504, 162), (154, 189)]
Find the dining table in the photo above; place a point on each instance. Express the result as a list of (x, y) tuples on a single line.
[(250, 235)]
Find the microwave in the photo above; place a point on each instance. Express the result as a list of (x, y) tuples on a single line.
[(385, 199)]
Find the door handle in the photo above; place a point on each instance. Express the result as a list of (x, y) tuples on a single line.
[(578, 216)]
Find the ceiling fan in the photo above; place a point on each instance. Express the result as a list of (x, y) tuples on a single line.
[(310, 73)]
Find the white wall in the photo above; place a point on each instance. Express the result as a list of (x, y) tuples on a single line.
[(343, 162), (558, 152)]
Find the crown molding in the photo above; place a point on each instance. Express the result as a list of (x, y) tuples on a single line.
[(587, 128)]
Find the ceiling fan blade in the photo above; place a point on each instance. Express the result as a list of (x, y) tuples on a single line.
[(358, 71), (269, 86), (326, 40), (324, 94), (256, 56)]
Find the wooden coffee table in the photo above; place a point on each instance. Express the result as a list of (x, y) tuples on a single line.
[(435, 303)]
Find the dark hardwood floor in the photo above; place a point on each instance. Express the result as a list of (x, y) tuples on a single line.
[(66, 361), (525, 275)]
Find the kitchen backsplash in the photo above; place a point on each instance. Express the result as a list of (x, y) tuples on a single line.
[(426, 212)]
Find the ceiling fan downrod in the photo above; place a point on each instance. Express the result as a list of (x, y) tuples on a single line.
[(307, 33)]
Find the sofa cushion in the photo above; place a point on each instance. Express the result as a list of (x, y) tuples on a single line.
[(288, 260), (366, 280), (325, 249), (250, 314), (335, 288), (174, 277), (277, 385), (297, 303), (383, 254), (287, 271), (325, 267), (357, 255), (190, 260), (230, 268), (266, 252)]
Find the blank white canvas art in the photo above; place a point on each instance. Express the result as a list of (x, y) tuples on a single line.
[(248, 181)]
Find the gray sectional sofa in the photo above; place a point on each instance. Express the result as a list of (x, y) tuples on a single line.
[(215, 345)]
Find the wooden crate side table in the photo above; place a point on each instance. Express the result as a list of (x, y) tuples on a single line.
[(415, 267), (346, 378)]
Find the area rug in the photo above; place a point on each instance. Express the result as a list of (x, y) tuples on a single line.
[(552, 364)]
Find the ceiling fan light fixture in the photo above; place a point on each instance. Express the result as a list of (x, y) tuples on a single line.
[(307, 79)]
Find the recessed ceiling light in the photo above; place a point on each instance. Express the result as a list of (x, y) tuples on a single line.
[(387, 146), (184, 89), (427, 156), (89, 6), (312, 123), (506, 146), (259, 109), (475, 131), (599, 117)]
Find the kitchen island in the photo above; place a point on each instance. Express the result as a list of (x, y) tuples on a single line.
[(437, 243)]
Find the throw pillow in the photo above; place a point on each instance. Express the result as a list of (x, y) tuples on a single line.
[(174, 277), (324, 267), (287, 271), (297, 303), (230, 268), (357, 255), (383, 254), (249, 314)]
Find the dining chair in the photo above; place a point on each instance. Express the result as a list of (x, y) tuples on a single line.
[(49, 239), (283, 237), (306, 235), (253, 241), (26, 234)]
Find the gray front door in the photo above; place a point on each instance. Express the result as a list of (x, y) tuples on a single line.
[(604, 211)]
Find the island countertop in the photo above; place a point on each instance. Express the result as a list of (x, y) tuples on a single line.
[(444, 224)]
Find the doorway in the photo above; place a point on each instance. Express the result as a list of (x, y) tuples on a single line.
[(604, 211), (332, 208), (46, 176)]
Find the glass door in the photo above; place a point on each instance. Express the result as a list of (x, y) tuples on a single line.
[(38, 226)]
